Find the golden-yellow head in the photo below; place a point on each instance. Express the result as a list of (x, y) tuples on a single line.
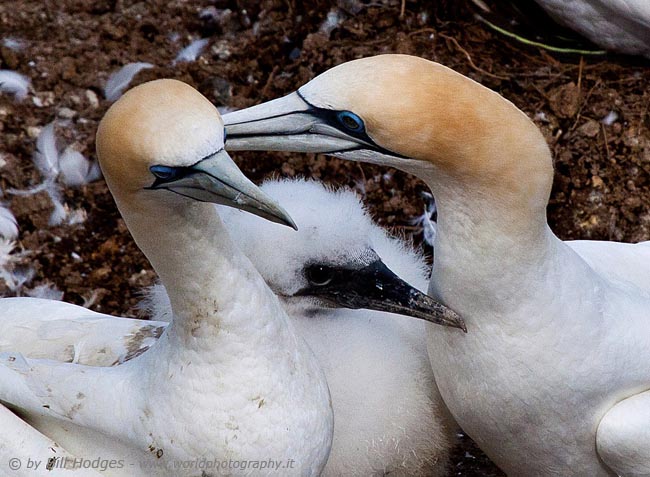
[(164, 142), (397, 110)]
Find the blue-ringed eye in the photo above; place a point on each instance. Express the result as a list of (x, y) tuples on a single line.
[(351, 121), (164, 172)]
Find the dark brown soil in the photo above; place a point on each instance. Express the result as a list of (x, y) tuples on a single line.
[(261, 50)]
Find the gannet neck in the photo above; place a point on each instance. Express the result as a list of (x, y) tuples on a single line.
[(204, 273)]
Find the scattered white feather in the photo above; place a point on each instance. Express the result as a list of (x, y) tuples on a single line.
[(429, 227), (31, 191), (77, 216), (46, 156), (333, 20), (14, 83), (60, 212), (120, 80), (8, 224), (76, 170), (611, 118), (191, 52), (11, 273), (13, 43), (6, 247), (47, 291)]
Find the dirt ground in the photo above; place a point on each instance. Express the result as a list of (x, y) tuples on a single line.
[(592, 110)]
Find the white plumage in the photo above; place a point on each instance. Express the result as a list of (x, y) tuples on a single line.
[(238, 382), (617, 25), (558, 332), (389, 417)]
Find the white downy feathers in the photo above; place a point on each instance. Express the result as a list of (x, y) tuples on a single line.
[(70, 167), (14, 83), (120, 80)]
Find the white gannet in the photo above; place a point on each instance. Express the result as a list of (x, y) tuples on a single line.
[(555, 367), (228, 380), (26, 452), (388, 414), (617, 25)]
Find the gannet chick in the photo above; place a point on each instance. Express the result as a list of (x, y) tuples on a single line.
[(228, 379), (553, 376), (389, 418)]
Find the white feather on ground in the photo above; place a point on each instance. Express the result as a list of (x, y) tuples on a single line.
[(191, 52), (120, 80), (46, 155), (71, 167), (13, 44), (76, 170), (8, 224), (14, 83), (11, 273)]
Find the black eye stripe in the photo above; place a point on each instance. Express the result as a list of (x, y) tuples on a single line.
[(351, 121), (319, 275)]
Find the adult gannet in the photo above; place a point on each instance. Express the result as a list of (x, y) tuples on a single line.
[(228, 380), (25, 452), (617, 25), (388, 414), (553, 375)]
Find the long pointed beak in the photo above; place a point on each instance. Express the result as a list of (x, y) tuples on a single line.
[(376, 287), (285, 124), (217, 179)]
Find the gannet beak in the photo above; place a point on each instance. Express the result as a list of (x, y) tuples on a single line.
[(290, 123), (217, 179), (376, 287)]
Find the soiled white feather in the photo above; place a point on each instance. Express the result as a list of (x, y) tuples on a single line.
[(120, 80), (191, 52), (8, 223), (46, 156), (14, 83)]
